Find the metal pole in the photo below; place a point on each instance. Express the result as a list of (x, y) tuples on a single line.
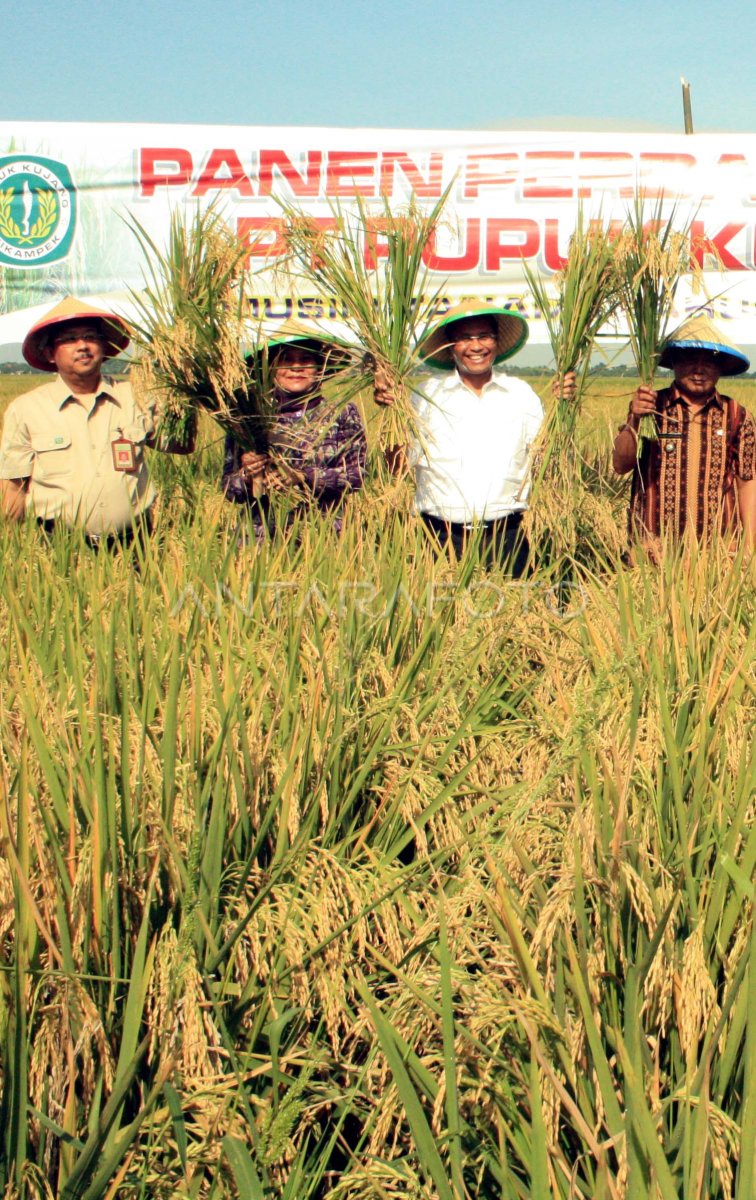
[(687, 112)]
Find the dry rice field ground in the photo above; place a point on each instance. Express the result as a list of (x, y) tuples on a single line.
[(334, 870)]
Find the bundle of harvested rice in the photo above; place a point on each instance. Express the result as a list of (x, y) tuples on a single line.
[(651, 256), (586, 298), (375, 267), (191, 328)]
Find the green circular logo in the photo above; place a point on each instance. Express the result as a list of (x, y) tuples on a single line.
[(37, 211)]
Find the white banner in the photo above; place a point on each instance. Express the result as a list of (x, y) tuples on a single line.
[(67, 192)]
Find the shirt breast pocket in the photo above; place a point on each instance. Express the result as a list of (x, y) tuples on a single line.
[(53, 456)]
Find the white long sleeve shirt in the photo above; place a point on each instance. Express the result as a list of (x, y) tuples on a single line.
[(472, 451)]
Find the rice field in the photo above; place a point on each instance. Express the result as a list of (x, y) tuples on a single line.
[(330, 869)]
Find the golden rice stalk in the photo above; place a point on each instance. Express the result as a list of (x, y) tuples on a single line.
[(179, 1015), (696, 1000)]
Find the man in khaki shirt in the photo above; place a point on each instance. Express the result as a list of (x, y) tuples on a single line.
[(72, 450)]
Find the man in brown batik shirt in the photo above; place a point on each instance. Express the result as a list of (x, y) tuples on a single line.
[(699, 477)]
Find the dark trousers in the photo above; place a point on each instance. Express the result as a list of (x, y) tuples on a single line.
[(501, 541)]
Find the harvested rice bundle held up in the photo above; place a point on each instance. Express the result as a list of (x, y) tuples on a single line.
[(374, 266), (651, 256), (191, 331), (586, 298), (564, 507)]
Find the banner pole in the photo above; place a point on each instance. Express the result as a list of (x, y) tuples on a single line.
[(687, 111)]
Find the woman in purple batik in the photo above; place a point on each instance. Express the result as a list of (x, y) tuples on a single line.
[(317, 453)]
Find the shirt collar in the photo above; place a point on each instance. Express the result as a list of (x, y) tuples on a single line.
[(62, 392), (675, 398), (453, 381), (287, 403)]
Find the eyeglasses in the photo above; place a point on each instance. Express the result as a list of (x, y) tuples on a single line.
[(68, 339), (485, 339)]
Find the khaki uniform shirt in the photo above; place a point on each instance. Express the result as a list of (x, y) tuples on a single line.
[(63, 445)]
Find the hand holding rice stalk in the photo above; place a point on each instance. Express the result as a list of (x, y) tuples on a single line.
[(650, 258), (387, 305), (585, 300), (191, 331)]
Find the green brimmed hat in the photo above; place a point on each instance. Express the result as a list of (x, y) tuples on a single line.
[(700, 333), (292, 333), (115, 331), (511, 332)]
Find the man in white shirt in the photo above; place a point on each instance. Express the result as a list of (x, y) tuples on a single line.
[(476, 426)]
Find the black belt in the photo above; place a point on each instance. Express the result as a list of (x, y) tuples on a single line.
[(510, 521)]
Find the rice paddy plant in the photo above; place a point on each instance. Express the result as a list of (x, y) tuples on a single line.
[(577, 515), (583, 1029), (329, 868)]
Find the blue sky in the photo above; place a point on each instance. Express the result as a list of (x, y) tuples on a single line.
[(433, 63)]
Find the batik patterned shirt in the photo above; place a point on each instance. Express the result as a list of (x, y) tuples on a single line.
[(686, 479), (326, 448)]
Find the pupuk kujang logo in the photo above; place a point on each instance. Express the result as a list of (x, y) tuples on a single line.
[(37, 211)]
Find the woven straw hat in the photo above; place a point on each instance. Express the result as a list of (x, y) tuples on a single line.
[(511, 332), (115, 331), (700, 333), (292, 333)]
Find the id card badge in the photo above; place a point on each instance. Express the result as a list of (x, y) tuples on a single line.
[(124, 455)]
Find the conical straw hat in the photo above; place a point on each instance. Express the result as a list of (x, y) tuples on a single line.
[(292, 333), (700, 333), (511, 332), (115, 330)]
